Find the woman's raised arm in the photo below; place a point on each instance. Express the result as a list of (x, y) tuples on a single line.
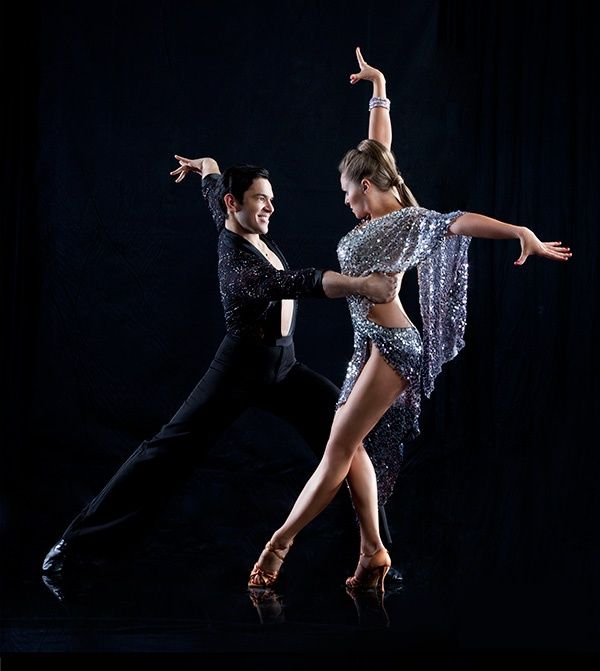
[(380, 125)]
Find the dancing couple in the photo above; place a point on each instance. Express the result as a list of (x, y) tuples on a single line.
[(357, 431)]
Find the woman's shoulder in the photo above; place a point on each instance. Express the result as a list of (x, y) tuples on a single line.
[(405, 215), (409, 212), (418, 213)]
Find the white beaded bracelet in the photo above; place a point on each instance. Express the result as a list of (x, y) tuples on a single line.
[(376, 101)]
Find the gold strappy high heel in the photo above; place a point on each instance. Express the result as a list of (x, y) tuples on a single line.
[(373, 574), (261, 578)]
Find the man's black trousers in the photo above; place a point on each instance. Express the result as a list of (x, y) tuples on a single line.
[(242, 374)]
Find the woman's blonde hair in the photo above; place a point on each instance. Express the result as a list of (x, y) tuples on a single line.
[(374, 161)]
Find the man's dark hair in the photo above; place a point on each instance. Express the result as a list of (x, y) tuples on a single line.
[(237, 179)]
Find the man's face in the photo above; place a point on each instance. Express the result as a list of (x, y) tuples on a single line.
[(256, 209)]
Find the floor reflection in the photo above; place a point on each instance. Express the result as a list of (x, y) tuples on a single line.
[(269, 605), (370, 608), (184, 597), (161, 606), (369, 605), (154, 605)]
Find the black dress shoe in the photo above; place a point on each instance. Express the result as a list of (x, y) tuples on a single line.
[(63, 559)]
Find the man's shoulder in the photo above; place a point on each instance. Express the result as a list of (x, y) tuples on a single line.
[(229, 241), (211, 178)]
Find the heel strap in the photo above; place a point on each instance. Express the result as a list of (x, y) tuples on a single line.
[(363, 554), (277, 551)]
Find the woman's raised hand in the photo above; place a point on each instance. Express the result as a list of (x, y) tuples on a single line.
[(367, 72)]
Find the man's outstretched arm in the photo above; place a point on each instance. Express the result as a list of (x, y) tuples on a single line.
[(377, 287)]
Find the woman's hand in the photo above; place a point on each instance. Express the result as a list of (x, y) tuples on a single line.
[(201, 166), (380, 125), (367, 72), (531, 244)]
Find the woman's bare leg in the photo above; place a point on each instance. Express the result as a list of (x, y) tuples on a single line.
[(363, 488), (374, 391)]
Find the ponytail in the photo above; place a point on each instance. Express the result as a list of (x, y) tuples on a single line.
[(374, 161)]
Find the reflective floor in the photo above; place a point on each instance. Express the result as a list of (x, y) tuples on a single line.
[(167, 601), (469, 596)]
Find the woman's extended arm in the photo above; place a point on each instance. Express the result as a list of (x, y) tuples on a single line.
[(480, 226), (380, 125)]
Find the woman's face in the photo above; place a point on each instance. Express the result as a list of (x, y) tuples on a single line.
[(354, 197)]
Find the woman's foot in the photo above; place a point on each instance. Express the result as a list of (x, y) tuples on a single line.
[(371, 570), (266, 569)]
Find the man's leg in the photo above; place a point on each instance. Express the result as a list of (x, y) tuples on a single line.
[(130, 502)]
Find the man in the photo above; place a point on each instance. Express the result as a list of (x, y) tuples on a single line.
[(255, 366)]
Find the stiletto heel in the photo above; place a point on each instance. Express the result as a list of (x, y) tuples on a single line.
[(371, 576), (261, 578)]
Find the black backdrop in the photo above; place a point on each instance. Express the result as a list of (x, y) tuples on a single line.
[(109, 286)]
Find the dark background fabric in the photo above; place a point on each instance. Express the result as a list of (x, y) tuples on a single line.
[(110, 300)]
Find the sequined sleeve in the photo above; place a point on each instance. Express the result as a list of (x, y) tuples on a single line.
[(442, 279), (419, 237), (211, 188), (405, 238), (262, 281)]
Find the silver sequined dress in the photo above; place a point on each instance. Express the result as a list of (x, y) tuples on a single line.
[(404, 239)]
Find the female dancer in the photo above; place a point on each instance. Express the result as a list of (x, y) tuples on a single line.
[(378, 407)]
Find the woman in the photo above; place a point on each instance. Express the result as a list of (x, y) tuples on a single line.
[(379, 403)]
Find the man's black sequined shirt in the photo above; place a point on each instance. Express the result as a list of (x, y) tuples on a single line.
[(251, 288)]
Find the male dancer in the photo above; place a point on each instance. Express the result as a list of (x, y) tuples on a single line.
[(254, 366)]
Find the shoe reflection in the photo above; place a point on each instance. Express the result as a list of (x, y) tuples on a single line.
[(268, 604), (370, 608), (70, 590)]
